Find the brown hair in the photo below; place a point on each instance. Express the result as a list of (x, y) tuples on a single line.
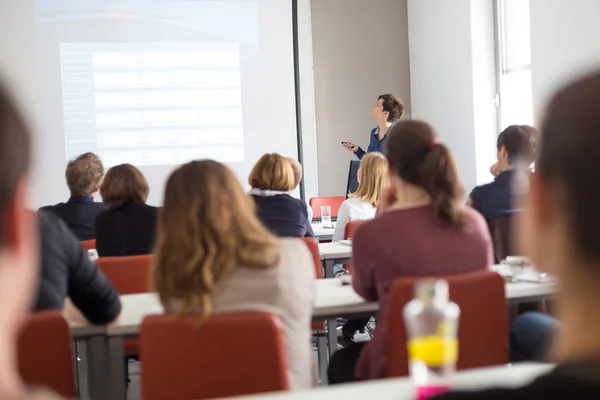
[(520, 142), (392, 105), (124, 184), (272, 172), (373, 178), (297, 169), (206, 229), (84, 174), (568, 160), (415, 156), (15, 153)]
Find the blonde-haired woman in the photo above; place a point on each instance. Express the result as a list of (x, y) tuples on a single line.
[(272, 180), (361, 205), (214, 256)]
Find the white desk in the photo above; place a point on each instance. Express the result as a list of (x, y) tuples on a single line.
[(322, 234), (332, 254), (402, 389), (333, 300)]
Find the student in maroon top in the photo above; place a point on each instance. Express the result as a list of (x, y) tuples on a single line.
[(423, 229)]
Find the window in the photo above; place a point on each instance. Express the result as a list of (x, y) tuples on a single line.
[(513, 47)]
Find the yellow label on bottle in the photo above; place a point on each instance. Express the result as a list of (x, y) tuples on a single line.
[(433, 350)]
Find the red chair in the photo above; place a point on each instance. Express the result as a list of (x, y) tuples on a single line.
[(348, 232), (88, 244), (229, 355), (129, 275), (313, 246), (46, 354), (482, 328), (335, 202)]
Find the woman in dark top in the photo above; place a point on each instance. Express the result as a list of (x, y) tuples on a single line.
[(386, 110), (272, 180), (128, 226), (559, 232)]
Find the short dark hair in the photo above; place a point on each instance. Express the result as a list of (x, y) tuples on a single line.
[(84, 174), (568, 160), (392, 105), (15, 153), (520, 142), (124, 184)]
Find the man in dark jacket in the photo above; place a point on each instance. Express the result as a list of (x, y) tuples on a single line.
[(84, 175), (66, 271)]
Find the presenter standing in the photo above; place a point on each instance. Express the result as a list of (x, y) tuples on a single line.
[(387, 110)]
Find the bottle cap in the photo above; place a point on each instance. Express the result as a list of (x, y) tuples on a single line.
[(430, 290)]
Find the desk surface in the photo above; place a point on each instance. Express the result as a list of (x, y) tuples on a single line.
[(334, 251), (320, 232), (332, 300), (401, 388)]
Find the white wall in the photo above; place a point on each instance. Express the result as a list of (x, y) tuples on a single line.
[(564, 43), (360, 51), (451, 77), (17, 62)]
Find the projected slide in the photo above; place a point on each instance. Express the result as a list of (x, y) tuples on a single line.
[(153, 104)]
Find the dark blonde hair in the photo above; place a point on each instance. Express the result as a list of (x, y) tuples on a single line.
[(297, 169), (272, 172), (84, 174), (373, 178), (207, 228), (417, 158), (124, 184)]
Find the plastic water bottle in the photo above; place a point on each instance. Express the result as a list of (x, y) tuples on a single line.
[(431, 321)]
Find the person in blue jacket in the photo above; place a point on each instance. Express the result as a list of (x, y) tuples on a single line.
[(387, 110)]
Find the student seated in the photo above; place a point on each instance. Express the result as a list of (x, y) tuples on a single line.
[(372, 178), (517, 143), (272, 180), (66, 271), (128, 226), (297, 168), (18, 247), (422, 230), (84, 175), (214, 256), (559, 232)]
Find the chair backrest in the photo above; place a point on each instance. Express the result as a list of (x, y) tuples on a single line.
[(229, 355), (313, 246), (482, 328), (350, 228), (45, 353), (501, 231), (335, 202), (88, 244), (348, 232), (129, 275)]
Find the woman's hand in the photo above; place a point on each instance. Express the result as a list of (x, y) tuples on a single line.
[(350, 146)]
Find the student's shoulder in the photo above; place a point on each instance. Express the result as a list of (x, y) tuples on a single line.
[(52, 207), (294, 254)]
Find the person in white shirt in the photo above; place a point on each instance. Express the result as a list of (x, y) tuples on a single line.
[(362, 205)]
